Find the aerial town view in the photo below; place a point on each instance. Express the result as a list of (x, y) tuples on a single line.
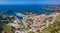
[(29, 16)]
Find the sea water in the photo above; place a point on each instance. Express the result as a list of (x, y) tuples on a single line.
[(38, 9)]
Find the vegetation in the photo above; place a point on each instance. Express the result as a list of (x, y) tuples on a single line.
[(30, 32), (3, 26), (26, 28), (7, 28)]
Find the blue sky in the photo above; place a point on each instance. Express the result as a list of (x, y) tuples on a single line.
[(48, 2)]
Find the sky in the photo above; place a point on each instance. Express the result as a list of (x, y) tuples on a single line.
[(48, 2)]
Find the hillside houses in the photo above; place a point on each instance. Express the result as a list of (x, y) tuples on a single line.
[(39, 22)]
